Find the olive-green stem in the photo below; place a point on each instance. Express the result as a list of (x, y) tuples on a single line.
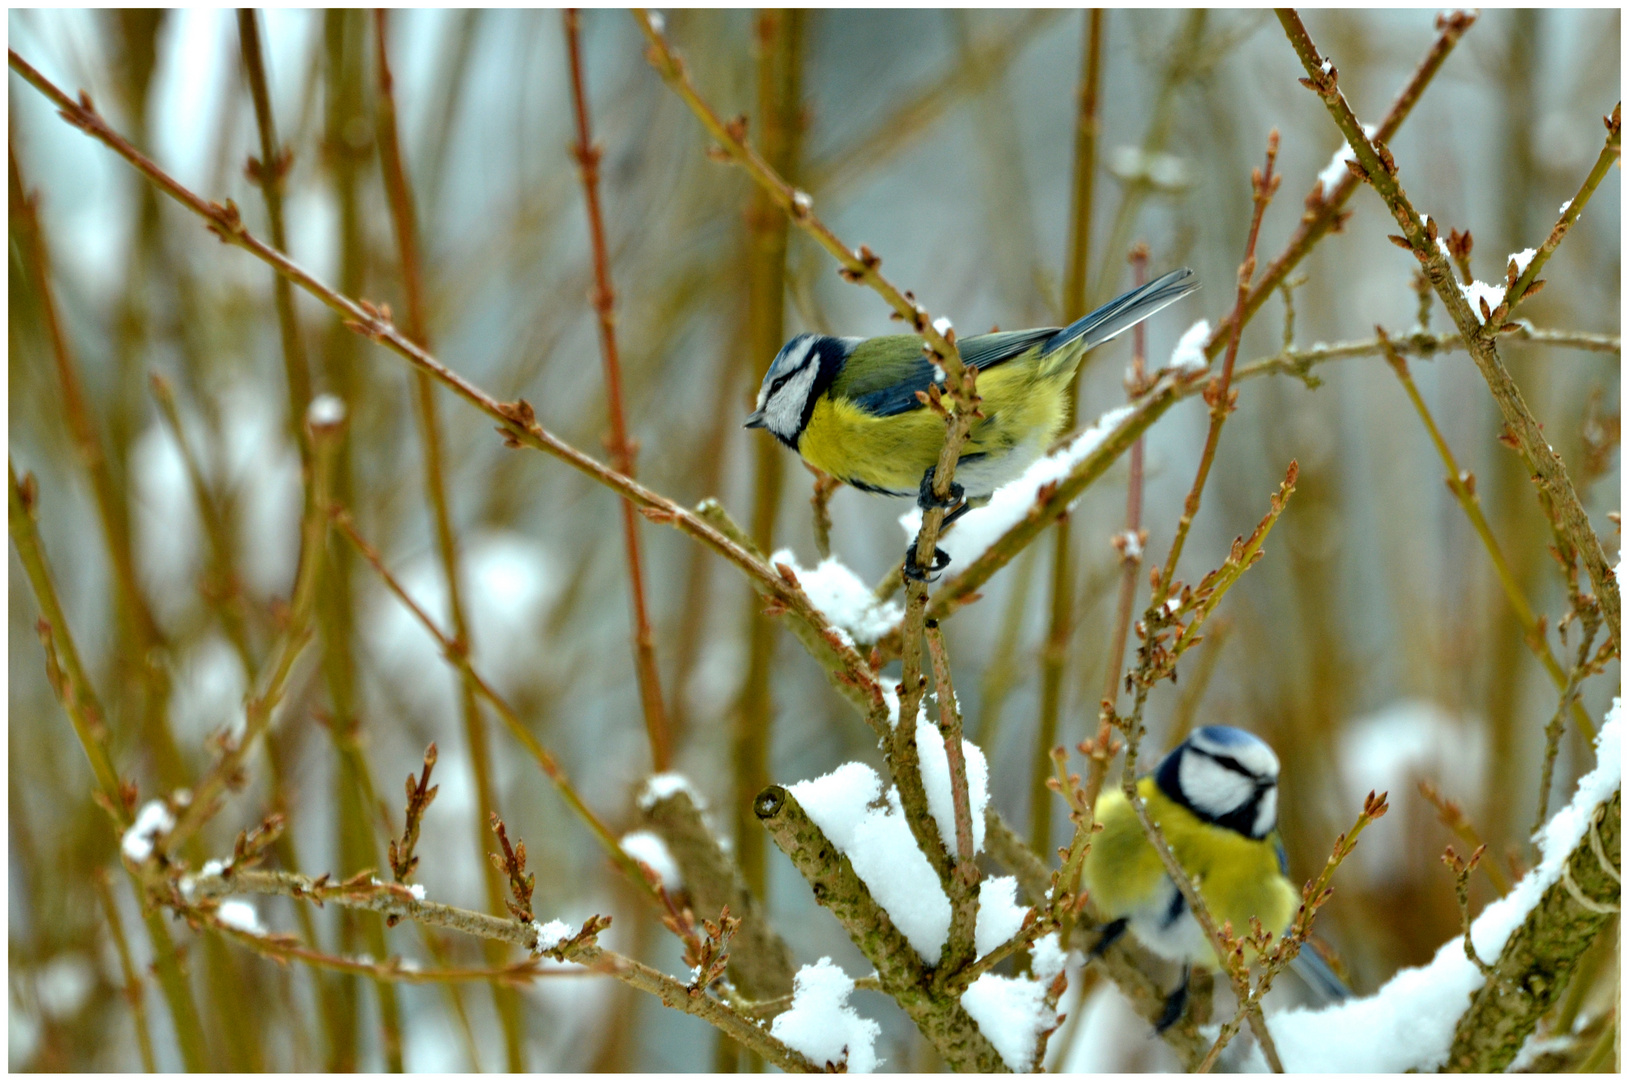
[(79, 701), (134, 992), (778, 36), (403, 217), (274, 674), (1186, 56), (76, 410)]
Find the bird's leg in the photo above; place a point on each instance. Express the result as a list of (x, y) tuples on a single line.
[(1175, 1005), (940, 559), (927, 499)]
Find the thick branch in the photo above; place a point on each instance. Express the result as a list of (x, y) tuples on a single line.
[(903, 976), (1536, 964)]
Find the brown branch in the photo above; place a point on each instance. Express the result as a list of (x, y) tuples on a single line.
[(1130, 544), (587, 156), (861, 266), (1377, 164), (403, 217), (1087, 125)]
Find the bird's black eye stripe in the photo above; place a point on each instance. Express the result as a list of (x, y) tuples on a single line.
[(774, 387), (1226, 761)]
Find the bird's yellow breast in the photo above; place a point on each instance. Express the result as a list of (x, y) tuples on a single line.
[(1236, 876), (1022, 402)]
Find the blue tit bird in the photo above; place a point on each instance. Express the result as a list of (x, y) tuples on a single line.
[(1215, 799), (849, 405)]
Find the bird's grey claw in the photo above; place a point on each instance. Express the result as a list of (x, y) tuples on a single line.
[(940, 559)]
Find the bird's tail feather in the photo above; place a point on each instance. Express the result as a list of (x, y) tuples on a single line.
[(1323, 982), (1116, 316)]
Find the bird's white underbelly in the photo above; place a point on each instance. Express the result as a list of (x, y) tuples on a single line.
[(982, 475), (1181, 939)]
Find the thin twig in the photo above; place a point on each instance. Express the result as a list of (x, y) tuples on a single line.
[(511, 718), (1419, 237), (1218, 393), (1316, 893), (1461, 483), (587, 155), (517, 420), (360, 893), (325, 432), (268, 172), (1324, 210), (964, 876), (1130, 544), (134, 991)]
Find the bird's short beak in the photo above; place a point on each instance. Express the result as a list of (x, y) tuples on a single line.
[(755, 419)]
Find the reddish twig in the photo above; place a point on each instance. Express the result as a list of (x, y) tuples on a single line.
[(1218, 393), (622, 452)]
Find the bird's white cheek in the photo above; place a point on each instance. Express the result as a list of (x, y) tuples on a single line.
[(1265, 818), (785, 410), (1211, 788)]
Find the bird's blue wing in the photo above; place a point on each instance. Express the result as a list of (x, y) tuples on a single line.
[(1282, 858), (982, 352)]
